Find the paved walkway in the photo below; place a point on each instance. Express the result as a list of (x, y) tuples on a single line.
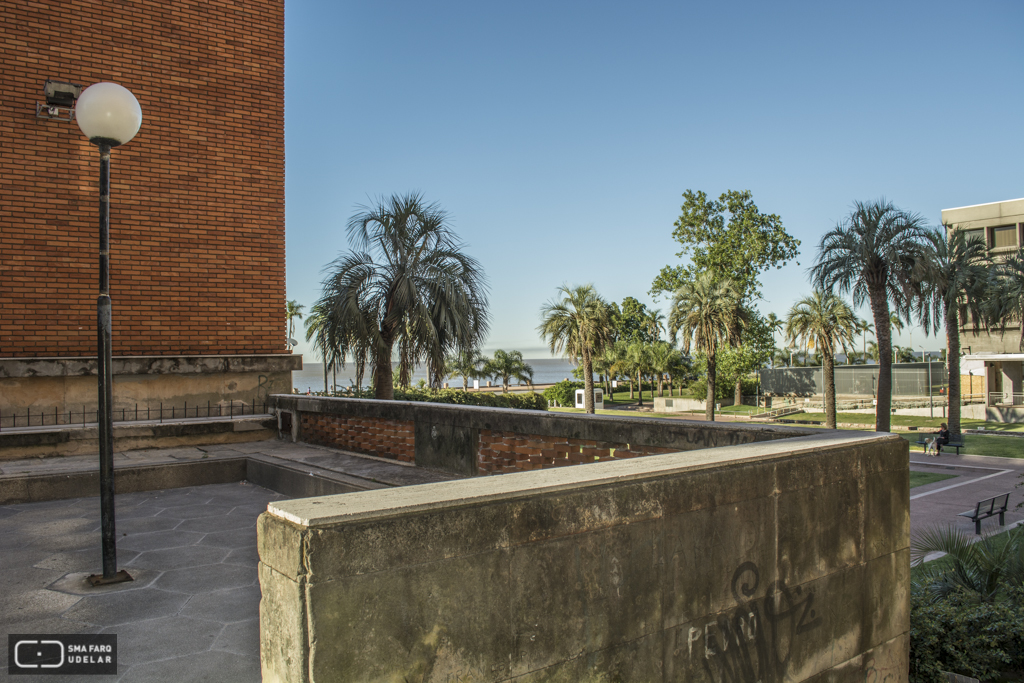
[(977, 478)]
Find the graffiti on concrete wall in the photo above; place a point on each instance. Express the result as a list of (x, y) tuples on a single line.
[(753, 642)]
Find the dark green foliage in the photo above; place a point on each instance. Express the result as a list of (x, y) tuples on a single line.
[(528, 400), (564, 393), (962, 635), (698, 388)]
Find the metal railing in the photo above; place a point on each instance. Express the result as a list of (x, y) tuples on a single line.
[(1005, 398), (58, 418)]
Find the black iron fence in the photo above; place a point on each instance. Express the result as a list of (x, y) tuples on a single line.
[(161, 412)]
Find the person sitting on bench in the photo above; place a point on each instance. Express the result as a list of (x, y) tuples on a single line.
[(942, 438)]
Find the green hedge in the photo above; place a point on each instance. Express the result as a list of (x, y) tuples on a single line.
[(526, 400), (962, 635), (564, 393)]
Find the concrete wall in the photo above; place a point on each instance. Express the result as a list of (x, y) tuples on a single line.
[(781, 560), (472, 440), (46, 385)]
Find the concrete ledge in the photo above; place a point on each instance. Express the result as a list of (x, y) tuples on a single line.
[(692, 566), (15, 445), (11, 368)]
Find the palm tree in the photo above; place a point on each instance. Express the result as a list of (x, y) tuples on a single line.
[(506, 366), (981, 568), (864, 327), (641, 361), (823, 322), (466, 364), (896, 324), (1006, 295), (578, 325), (705, 311), (870, 255), (952, 276), (407, 282), (293, 309), (661, 360), (775, 324)]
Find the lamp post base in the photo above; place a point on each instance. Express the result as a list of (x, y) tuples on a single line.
[(100, 580)]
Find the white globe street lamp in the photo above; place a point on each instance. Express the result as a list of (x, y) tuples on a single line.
[(109, 115)]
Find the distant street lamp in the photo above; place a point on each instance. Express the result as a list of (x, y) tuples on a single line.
[(931, 403), (109, 115)]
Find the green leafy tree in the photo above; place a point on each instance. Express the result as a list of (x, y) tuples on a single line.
[(951, 277), (661, 361), (870, 255), (633, 322), (507, 366), (823, 322), (706, 313), (739, 247), (755, 351), (578, 324), (640, 360), (407, 282)]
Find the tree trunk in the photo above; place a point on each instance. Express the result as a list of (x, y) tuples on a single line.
[(953, 360), (661, 384), (383, 373), (631, 397), (738, 397), (828, 366), (325, 373), (709, 409), (588, 383), (640, 386), (883, 336)]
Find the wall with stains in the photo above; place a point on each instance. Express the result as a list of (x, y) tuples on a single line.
[(781, 560)]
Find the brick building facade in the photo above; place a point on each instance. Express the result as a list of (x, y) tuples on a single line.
[(197, 218)]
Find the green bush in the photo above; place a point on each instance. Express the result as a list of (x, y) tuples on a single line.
[(526, 401), (723, 390), (962, 635), (563, 392)]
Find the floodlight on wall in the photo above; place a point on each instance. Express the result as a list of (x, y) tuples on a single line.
[(60, 101)]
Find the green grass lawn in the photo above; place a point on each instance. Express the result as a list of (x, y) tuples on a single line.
[(978, 444), (922, 478)]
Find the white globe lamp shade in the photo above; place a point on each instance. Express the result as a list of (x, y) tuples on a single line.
[(108, 113)]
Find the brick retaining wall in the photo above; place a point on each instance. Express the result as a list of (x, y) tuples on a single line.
[(392, 439), (502, 451)]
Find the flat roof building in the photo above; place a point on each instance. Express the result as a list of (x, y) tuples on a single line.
[(1001, 226)]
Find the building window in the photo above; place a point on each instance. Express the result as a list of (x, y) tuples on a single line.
[(975, 234), (1004, 236)]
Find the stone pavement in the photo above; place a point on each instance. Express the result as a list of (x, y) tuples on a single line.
[(192, 612), (977, 478)]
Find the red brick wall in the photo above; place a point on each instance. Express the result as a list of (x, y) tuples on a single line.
[(393, 439), (514, 452), (197, 219)]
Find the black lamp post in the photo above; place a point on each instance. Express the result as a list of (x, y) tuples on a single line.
[(109, 115)]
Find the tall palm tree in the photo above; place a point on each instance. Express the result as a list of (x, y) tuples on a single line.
[(467, 364), (705, 311), (293, 309), (641, 361), (1005, 302), (823, 322), (508, 366), (870, 255), (865, 326), (578, 324), (408, 282), (951, 276), (775, 324), (661, 360)]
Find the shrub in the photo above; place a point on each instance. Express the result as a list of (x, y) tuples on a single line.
[(563, 392), (963, 635), (699, 388)]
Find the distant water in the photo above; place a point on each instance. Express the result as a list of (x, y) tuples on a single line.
[(311, 377)]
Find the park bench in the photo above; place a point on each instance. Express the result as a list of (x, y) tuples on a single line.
[(923, 443), (990, 507)]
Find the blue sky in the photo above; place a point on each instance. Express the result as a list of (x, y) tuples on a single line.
[(561, 135)]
